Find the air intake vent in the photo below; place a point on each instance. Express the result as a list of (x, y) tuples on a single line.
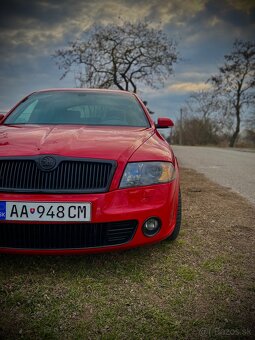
[(65, 236)]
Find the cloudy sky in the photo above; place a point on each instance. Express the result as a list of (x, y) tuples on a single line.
[(32, 30)]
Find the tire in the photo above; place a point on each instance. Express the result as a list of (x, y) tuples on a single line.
[(177, 227)]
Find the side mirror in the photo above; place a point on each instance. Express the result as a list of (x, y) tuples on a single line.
[(1, 117), (164, 123)]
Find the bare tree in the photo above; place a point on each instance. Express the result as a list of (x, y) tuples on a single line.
[(250, 121), (207, 105), (196, 125), (203, 104), (235, 82), (120, 55)]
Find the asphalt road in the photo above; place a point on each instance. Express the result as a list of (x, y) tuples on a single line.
[(230, 168)]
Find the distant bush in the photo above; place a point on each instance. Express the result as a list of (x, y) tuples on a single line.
[(196, 131)]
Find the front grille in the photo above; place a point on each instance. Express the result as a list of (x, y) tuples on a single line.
[(66, 236), (69, 175)]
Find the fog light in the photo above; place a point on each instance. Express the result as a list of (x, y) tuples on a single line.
[(151, 227)]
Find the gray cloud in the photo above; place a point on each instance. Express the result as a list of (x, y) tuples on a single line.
[(31, 30), (44, 13)]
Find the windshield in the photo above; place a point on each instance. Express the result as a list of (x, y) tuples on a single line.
[(79, 107)]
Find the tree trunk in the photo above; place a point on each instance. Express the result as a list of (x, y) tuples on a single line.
[(237, 130), (237, 109)]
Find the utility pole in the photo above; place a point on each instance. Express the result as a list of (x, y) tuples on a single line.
[(180, 133)]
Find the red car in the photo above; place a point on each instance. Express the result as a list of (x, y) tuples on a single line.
[(85, 170)]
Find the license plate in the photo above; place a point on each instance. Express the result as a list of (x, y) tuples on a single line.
[(45, 211)]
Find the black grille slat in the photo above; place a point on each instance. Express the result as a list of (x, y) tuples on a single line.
[(26, 179), (65, 235), (70, 175), (88, 174)]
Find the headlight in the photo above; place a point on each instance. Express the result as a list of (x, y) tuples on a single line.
[(147, 173)]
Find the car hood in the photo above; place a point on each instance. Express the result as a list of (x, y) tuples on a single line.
[(117, 143)]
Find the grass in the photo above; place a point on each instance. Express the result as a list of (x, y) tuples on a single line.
[(203, 282), (215, 265)]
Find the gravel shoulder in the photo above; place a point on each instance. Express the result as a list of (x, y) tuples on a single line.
[(200, 286)]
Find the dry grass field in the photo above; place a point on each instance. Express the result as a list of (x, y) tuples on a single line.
[(200, 286)]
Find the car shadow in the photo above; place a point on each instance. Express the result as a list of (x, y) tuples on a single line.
[(128, 263)]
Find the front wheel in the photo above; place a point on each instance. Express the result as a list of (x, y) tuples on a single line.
[(177, 227)]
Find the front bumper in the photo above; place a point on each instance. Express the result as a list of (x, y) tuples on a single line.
[(136, 204)]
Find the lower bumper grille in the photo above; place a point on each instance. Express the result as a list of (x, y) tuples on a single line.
[(66, 236)]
